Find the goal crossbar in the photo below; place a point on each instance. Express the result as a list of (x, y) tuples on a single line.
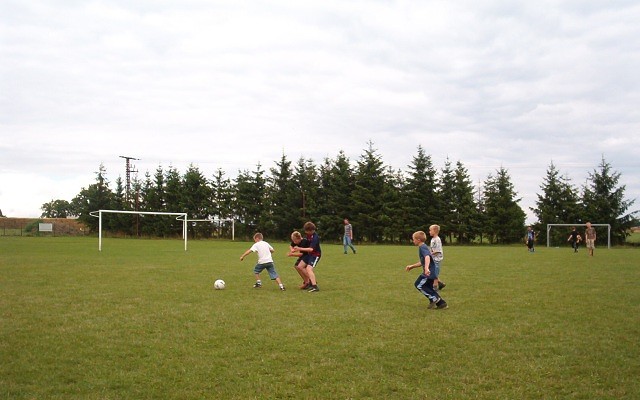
[(549, 226), (179, 216)]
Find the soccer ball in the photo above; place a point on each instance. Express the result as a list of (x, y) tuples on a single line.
[(219, 284)]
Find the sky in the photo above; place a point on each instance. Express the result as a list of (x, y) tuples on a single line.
[(232, 84)]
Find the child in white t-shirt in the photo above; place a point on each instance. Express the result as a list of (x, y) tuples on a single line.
[(265, 261)]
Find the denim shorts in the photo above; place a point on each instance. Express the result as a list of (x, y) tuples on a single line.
[(436, 270), (271, 269)]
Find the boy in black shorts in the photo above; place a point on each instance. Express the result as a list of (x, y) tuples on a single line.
[(298, 241)]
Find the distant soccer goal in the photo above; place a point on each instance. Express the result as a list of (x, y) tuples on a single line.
[(218, 224), (179, 216), (549, 226)]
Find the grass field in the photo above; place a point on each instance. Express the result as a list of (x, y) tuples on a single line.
[(140, 320)]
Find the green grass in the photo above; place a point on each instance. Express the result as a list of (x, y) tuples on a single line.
[(140, 320), (634, 238)]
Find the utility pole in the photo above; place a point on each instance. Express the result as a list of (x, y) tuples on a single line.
[(129, 170)]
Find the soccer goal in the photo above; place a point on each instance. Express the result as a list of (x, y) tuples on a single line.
[(179, 216), (217, 223), (549, 226)]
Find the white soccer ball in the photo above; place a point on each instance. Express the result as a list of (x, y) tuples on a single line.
[(219, 284)]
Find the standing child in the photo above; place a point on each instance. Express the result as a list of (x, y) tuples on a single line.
[(530, 239), (590, 238), (437, 255), (265, 261), (424, 283), (298, 240), (312, 254)]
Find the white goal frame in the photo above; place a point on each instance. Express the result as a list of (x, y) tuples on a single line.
[(549, 226), (180, 217)]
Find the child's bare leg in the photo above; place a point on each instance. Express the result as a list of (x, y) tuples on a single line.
[(302, 273), (312, 275)]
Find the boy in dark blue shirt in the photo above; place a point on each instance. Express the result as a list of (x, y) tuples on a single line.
[(424, 283), (312, 254), (298, 241)]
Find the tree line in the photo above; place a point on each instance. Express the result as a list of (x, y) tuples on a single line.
[(385, 205)]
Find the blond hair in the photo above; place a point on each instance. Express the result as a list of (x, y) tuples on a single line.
[(420, 236), (258, 236), (435, 228), (296, 235)]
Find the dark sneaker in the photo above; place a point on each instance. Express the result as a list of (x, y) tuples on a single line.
[(283, 288), (441, 285), (257, 285), (305, 286), (441, 305), (431, 306), (314, 289)]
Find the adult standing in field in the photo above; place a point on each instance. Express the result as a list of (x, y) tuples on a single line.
[(348, 237), (574, 238), (590, 238)]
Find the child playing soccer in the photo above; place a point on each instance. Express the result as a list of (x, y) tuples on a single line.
[(424, 283), (298, 240), (574, 238), (265, 261), (312, 254), (437, 255)]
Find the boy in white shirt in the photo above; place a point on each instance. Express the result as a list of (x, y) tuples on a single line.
[(436, 253), (265, 261)]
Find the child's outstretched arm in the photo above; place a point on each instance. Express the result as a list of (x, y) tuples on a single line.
[(246, 253), (412, 266)]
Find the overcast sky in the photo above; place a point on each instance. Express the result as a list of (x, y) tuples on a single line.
[(230, 84)]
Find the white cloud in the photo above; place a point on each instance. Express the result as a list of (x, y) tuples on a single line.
[(230, 84)]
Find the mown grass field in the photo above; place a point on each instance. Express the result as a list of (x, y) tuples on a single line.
[(140, 320)]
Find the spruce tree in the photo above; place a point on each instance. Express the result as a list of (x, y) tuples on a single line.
[(446, 192), (367, 196), (419, 201), (307, 179), (558, 203), (173, 198), (505, 218), (222, 198), (604, 202), (95, 197), (284, 203), (250, 200), (196, 197), (464, 223), (336, 182)]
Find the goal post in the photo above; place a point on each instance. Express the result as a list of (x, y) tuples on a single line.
[(549, 226), (179, 216)]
